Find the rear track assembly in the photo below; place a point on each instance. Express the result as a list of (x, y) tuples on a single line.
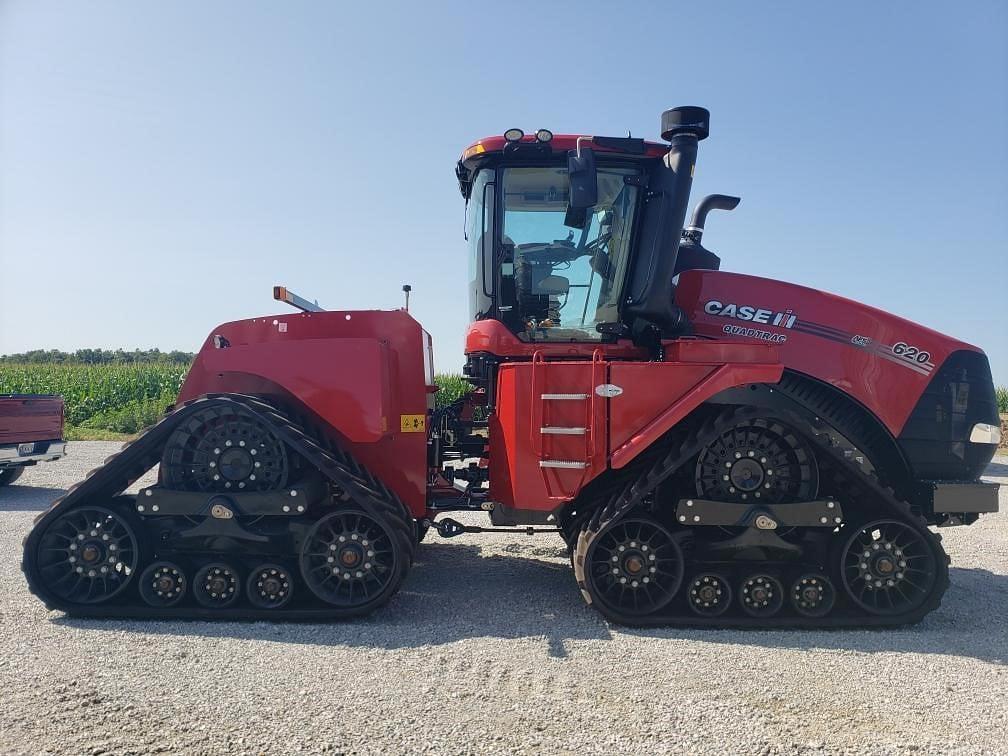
[(881, 567), (99, 553)]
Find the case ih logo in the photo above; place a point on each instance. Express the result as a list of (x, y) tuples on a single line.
[(784, 319)]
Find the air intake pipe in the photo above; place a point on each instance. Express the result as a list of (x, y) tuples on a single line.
[(650, 293)]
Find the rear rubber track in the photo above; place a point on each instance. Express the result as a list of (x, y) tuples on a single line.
[(350, 482)]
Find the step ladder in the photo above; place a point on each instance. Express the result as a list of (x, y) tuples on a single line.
[(542, 429)]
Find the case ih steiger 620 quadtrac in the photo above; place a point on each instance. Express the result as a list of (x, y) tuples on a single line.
[(714, 448)]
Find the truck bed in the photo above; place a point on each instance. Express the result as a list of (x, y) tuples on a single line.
[(30, 417)]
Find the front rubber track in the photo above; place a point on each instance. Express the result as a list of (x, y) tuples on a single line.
[(638, 483), (120, 470)]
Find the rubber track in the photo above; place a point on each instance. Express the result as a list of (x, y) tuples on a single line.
[(352, 480), (682, 447)]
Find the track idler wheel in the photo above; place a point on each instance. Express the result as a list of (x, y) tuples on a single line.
[(632, 568), (888, 567), (269, 586), (353, 561), (87, 555), (761, 595), (163, 584), (216, 585), (812, 595), (709, 595)]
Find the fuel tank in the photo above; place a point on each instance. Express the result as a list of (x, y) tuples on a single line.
[(928, 390)]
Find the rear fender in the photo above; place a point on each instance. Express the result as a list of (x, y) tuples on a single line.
[(362, 375)]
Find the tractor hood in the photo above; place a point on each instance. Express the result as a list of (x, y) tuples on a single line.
[(884, 361)]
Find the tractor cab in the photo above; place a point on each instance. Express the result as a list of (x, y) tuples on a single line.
[(574, 238)]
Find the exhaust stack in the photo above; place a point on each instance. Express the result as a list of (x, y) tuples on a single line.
[(694, 231)]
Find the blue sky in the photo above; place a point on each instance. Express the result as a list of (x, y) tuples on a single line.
[(162, 165)]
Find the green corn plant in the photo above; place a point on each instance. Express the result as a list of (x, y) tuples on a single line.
[(128, 397)]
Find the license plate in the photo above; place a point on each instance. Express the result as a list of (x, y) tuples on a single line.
[(25, 450)]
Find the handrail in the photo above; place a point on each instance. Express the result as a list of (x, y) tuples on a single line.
[(535, 437), (597, 379)]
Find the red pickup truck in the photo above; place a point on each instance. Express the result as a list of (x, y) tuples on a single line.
[(31, 431)]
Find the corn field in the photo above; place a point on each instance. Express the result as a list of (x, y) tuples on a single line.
[(126, 398)]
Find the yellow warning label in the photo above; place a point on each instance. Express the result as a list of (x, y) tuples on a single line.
[(413, 423)]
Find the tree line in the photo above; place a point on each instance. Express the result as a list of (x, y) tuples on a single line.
[(98, 357)]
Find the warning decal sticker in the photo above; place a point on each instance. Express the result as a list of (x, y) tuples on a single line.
[(413, 423)]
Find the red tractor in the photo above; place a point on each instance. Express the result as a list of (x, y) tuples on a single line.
[(714, 448)]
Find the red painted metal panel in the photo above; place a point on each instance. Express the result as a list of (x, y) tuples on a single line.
[(357, 371), (517, 444), (655, 396), (862, 351), (344, 380), (30, 418), (648, 390), (662, 394)]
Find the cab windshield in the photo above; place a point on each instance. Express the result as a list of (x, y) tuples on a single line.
[(559, 281)]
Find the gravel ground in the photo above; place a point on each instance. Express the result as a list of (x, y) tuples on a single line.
[(490, 649)]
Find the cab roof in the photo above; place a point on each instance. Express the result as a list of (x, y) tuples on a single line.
[(528, 146), (565, 142)]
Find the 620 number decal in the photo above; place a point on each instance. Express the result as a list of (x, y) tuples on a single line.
[(907, 352)]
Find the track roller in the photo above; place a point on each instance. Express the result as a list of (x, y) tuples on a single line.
[(812, 595), (216, 585), (761, 595), (709, 595), (269, 586), (163, 584)]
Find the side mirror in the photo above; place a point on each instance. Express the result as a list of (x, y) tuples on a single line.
[(583, 177)]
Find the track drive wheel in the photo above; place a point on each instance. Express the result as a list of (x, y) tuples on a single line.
[(353, 561), (630, 569), (757, 460), (224, 449)]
